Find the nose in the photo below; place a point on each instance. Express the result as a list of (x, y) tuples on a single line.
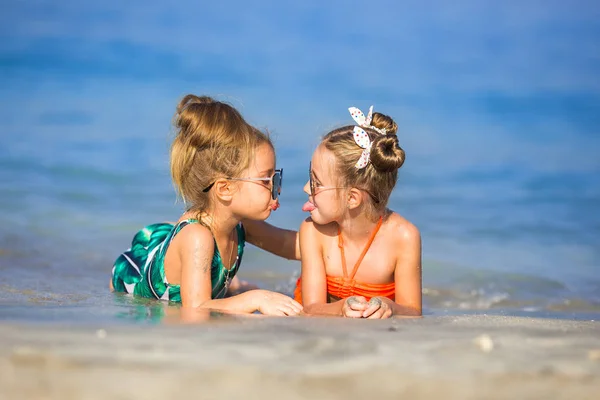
[(307, 188)]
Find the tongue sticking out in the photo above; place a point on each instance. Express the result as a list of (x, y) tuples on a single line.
[(308, 206)]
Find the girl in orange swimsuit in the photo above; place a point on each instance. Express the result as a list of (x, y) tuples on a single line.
[(352, 174)]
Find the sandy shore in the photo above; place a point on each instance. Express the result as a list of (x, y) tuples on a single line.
[(468, 357)]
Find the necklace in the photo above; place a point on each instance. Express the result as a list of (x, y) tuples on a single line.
[(226, 263), (229, 267)]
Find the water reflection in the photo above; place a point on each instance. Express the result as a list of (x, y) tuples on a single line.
[(143, 310)]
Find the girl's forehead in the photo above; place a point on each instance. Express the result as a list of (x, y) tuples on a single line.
[(323, 161), (264, 158)]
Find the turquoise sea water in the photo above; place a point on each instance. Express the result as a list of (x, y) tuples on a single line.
[(497, 105)]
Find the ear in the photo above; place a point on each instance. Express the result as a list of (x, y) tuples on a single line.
[(355, 198), (223, 189)]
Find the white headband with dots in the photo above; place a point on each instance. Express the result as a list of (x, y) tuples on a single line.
[(361, 137)]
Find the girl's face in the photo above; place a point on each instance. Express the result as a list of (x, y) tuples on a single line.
[(325, 198), (253, 199)]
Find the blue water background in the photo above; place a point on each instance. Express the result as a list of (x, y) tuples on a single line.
[(498, 107)]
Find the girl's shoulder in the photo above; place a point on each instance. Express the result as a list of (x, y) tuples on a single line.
[(399, 229), (192, 234)]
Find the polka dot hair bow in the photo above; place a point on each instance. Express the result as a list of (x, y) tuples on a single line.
[(362, 139), (363, 121)]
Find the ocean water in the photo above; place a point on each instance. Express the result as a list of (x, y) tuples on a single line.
[(498, 108)]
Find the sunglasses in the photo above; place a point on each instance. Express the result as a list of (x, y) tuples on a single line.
[(276, 181), (314, 186)]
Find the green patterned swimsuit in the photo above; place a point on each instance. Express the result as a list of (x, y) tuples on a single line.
[(141, 271)]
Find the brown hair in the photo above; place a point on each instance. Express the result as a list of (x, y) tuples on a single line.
[(212, 141), (379, 177)]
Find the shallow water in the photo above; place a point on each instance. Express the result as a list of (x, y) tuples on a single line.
[(502, 176)]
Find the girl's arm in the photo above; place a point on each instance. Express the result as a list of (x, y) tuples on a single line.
[(195, 247), (408, 273), (314, 279), (281, 242), (407, 276)]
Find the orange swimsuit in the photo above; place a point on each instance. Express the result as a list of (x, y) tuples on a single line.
[(340, 287)]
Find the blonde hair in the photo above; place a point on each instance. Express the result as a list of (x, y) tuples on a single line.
[(379, 177), (212, 141)]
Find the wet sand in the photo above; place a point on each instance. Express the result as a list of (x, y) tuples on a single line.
[(466, 357)]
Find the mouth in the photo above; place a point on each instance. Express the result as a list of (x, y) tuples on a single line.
[(308, 206), (275, 205)]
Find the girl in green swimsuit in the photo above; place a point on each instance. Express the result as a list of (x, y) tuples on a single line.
[(224, 170)]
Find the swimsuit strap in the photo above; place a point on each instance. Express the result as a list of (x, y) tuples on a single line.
[(364, 252), (217, 257)]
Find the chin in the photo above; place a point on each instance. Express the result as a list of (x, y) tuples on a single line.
[(258, 217), (266, 214), (318, 218)]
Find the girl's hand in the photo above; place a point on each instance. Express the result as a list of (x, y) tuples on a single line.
[(377, 309), (354, 307), (273, 303)]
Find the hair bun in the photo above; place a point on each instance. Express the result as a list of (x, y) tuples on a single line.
[(386, 153), (189, 111), (382, 121), (192, 99)]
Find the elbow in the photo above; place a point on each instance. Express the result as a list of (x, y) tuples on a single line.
[(409, 312), (195, 304), (322, 309), (310, 309), (416, 314)]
